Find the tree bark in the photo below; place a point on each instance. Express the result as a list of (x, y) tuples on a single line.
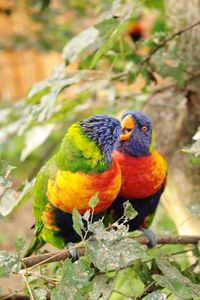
[(36, 260), (176, 117)]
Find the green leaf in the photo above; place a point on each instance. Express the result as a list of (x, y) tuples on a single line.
[(106, 27), (128, 282), (9, 130), (25, 194), (34, 138), (5, 170), (75, 282), (174, 281), (4, 115), (10, 261), (168, 65), (40, 293), (157, 295), (19, 245), (101, 288), (80, 43), (111, 249), (43, 110), (77, 222), (143, 272), (94, 201), (196, 160), (176, 72), (155, 4), (8, 201), (129, 211), (37, 91), (159, 25), (11, 200), (112, 39), (97, 228)]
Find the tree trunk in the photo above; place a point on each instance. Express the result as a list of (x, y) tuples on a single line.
[(176, 117)]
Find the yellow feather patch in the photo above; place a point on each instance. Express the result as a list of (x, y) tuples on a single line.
[(71, 190), (81, 142)]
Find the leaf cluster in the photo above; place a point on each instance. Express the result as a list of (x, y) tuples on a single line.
[(108, 65), (113, 265), (10, 199)]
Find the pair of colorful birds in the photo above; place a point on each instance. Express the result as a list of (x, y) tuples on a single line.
[(98, 155)]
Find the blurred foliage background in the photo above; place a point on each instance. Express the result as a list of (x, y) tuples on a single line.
[(64, 60)]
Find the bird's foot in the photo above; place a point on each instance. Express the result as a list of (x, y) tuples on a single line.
[(151, 236), (74, 252)]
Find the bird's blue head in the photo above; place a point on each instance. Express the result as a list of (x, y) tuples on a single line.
[(137, 134), (105, 131)]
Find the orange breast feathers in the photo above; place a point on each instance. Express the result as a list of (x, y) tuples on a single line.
[(141, 176), (73, 190)]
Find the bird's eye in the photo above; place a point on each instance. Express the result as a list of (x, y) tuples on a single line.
[(144, 128)]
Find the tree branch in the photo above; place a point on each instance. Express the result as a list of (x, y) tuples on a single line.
[(162, 44), (123, 75), (35, 260)]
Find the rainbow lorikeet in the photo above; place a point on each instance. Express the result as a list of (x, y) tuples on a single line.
[(143, 169), (135, 29), (82, 167)]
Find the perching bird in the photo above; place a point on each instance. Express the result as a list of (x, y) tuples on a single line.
[(82, 168), (135, 29), (144, 172)]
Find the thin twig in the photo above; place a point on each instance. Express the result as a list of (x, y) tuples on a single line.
[(192, 267), (180, 252), (150, 288), (28, 286), (36, 260), (169, 295), (50, 257), (49, 280), (162, 44)]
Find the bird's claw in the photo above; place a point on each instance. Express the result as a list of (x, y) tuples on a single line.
[(151, 236), (74, 252)]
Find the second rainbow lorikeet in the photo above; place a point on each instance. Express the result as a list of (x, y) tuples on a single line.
[(135, 29), (82, 168), (144, 172)]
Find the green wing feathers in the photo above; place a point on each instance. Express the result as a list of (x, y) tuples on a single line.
[(37, 243), (39, 205), (79, 153), (40, 188)]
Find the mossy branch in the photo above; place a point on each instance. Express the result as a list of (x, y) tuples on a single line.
[(167, 40)]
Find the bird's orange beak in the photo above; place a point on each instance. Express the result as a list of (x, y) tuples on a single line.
[(128, 125)]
